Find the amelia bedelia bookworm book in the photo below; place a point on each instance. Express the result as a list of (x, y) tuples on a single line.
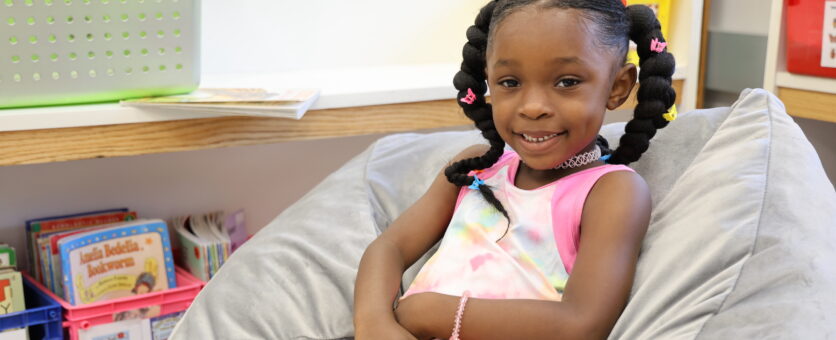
[(36, 227), (126, 259)]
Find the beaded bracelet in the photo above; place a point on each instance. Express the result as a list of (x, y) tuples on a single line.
[(458, 323)]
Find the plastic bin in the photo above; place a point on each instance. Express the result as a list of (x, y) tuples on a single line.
[(170, 301), (42, 314), (810, 46)]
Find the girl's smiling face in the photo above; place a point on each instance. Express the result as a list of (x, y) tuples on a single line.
[(551, 83)]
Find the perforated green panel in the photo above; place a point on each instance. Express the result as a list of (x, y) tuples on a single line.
[(78, 51)]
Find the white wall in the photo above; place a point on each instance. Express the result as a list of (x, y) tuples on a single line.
[(740, 16), (256, 37), (265, 36)]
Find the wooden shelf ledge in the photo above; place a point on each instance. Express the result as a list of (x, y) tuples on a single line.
[(809, 104), (65, 144)]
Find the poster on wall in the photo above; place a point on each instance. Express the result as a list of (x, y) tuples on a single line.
[(828, 42)]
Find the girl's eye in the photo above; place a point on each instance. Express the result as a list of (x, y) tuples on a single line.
[(509, 83), (568, 82)]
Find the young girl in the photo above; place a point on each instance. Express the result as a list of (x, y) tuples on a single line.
[(542, 241)]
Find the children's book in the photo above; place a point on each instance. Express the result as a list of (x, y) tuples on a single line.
[(236, 228), (62, 225), (662, 8), (289, 103), (122, 260), (36, 227), (193, 252), (8, 257), (162, 326), (11, 292), (204, 243), (133, 329), (52, 255)]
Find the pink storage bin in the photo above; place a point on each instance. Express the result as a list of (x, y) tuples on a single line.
[(89, 315)]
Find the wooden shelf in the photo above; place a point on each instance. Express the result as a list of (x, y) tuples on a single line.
[(65, 144), (809, 104), (804, 96)]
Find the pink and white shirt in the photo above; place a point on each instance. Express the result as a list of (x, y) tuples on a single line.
[(535, 258)]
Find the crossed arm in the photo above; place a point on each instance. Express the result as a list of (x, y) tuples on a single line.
[(615, 218)]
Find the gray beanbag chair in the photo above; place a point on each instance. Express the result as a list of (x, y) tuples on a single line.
[(741, 244)]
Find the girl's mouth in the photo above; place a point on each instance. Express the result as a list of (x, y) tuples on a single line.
[(539, 141), (533, 139)]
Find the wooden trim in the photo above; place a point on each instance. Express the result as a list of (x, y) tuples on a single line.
[(55, 145), (706, 18), (809, 104)]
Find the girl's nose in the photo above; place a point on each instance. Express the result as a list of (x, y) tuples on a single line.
[(536, 105)]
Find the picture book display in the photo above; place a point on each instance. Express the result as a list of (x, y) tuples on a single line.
[(40, 226), (121, 260), (204, 242)]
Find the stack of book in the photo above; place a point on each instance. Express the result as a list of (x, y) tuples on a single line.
[(11, 290), (204, 242), (101, 255), (292, 103)]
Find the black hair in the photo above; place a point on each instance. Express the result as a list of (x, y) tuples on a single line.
[(614, 25)]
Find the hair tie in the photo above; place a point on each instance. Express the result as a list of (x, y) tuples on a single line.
[(604, 158), (671, 114), (476, 183), (657, 46), (469, 98)]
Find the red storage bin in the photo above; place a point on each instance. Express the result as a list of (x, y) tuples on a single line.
[(170, 301), (811, 37)]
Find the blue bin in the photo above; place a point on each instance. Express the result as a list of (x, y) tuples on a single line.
[(42, 315)]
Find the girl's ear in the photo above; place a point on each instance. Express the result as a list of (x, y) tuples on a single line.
[(622, 86)]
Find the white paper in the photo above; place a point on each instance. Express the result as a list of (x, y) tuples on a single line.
[(828, 39)]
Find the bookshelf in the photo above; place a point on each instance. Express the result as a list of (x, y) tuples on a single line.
[(804, 96)]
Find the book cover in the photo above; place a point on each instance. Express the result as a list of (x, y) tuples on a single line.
[(8, 257), (662, 8), (162, 326), (193, 252), (118, 261), (52, 255), (11, 292), (58, 226), (35, 227)]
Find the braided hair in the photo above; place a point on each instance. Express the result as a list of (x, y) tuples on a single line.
[(613, 25)]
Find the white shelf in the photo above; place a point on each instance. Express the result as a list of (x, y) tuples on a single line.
[(801, 82), (340, 88)]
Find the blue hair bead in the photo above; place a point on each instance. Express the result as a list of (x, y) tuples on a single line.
[(476, 183)]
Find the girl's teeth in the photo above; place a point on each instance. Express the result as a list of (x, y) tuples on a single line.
[(539, 139)]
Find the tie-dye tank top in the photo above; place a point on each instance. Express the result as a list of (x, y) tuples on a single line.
[(533, 260)]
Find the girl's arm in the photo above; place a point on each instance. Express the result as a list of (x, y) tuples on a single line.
[(615, 218), (388, 256)]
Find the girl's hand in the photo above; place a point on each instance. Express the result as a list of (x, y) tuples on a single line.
[(383, 331)]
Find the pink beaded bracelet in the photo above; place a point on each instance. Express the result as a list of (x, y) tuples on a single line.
[(458, 323)]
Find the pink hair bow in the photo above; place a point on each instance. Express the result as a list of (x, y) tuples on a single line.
[(469, 98), (657, 46)]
